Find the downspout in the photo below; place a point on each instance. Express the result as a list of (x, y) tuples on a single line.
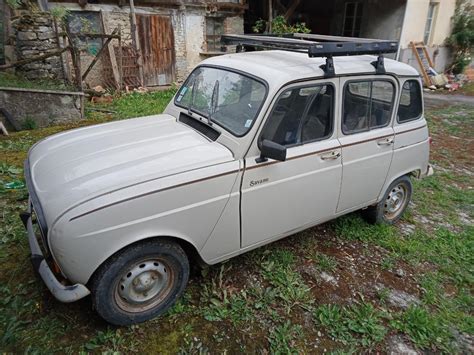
[(402, 32)]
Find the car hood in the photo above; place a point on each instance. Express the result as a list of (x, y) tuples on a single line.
[(77, 165)]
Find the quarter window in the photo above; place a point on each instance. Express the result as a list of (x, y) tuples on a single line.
[(367, 105), (411, 106), (301, 115)]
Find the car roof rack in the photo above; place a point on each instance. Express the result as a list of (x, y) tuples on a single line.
[(317, 46)]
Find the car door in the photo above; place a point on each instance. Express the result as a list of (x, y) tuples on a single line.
[(278, 198), (366, 138)]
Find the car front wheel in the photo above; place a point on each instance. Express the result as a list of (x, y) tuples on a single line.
[(395, 201), (140, 282)]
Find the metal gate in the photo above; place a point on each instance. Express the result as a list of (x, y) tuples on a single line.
[(157, 48)]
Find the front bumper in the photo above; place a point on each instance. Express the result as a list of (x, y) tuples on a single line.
[(61, 292)]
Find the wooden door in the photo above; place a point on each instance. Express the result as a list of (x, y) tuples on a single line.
[(157, 48)]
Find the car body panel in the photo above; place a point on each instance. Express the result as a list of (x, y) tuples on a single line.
[(73, 167)]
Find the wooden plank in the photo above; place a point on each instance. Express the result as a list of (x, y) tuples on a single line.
[(34, 59), (135, 40), (120, 59), (111, 52)]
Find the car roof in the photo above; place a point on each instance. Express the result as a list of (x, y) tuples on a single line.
[(278, 67)]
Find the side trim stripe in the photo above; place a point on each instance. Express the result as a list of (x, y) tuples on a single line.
[(234, 171), (151, 193)]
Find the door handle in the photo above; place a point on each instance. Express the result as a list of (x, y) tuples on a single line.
[(386, 141), (331, 155)]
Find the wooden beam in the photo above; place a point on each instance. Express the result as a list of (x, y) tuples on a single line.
[(113, 59), (104, 47), (34, 59), (136, 41), (289, 12), (270, 15)]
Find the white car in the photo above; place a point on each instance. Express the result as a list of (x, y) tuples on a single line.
[(254, 147)]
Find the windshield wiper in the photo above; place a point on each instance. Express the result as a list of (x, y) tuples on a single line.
[(214, 99), (193, 93)]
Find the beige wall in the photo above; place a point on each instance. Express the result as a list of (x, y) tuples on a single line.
[(415, 21)]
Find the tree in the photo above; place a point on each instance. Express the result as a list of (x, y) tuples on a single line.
[(462, 37)]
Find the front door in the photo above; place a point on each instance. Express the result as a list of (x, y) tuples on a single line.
[(281, 197), (157, 49), (366, 139)]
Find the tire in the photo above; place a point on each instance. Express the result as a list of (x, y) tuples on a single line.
[(140, 282), (393, 204)]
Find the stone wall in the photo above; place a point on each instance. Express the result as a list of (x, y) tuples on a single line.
[(58, 106), (35, 35)]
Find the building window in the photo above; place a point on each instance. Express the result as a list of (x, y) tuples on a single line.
[(352, 19), (214, 31), (430, 22), (86, 22)]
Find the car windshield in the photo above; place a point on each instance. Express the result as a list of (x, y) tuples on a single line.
[(231, 99)]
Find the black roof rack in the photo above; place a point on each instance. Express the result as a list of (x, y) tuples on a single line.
[(317, 46)]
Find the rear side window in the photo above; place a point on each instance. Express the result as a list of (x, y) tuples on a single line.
[(367, 105), (301, 115), (411, 105)]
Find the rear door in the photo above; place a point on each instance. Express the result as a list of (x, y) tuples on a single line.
[(279, 198), (366, 138)]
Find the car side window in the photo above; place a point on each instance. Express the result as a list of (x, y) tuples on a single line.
[(367, 105), (411, 105), (301, 115)]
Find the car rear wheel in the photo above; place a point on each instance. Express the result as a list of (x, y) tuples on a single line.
[(140, 282), (394, 203)]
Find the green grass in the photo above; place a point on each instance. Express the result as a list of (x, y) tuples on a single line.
[(358, 324), (266, 301), (137, 104)]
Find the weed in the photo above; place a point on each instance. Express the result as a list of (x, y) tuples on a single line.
[(222, 304), (29, 123), (423, 328), (356, 324), (289, 285), (324, 262), (383, 294), (110, 340), (283, 338)]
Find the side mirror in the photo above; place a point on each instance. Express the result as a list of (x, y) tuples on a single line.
[(271, 150)]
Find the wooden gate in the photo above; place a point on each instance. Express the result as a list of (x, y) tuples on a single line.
[(157, 48)]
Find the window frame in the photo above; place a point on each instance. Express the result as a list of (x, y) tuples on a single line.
[(214, 41), (393, 102), (281, 92), (400, 100), (430, 19), (236, 71), (354, 31)]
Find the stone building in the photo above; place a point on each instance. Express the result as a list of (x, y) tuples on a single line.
[(173, 36)]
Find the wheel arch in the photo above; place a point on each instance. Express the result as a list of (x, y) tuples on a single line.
[(191, 251), (411, 172)]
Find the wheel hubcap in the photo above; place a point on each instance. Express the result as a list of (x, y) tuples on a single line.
[(395, 201), (143, 286)]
